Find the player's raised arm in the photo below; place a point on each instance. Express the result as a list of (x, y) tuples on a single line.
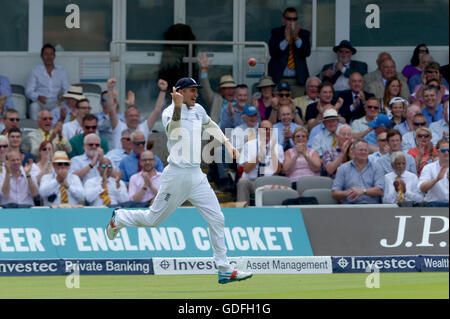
[(214, 130)]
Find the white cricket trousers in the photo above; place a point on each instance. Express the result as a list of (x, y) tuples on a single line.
[(177, 186)]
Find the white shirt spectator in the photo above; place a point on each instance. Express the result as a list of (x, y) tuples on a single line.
[(19, 192), (439, 192), (50, 187), (438, 128), (322, 141), (121, 126), (93, 188), (40, 83), (250, 152), (81, 161), (241, 134), (412, 193), (409, 141), (70, 129)]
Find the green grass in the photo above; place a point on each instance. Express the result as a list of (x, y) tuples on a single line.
[(330, 286)]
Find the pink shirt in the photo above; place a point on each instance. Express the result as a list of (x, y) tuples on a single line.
[(136, 183), (301, 167)]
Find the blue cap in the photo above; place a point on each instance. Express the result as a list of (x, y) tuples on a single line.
[(381, 120), (250, 110), (283, 86), (186, 83)]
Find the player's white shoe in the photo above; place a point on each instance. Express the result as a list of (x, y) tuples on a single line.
[(235, 275), (111, 229)]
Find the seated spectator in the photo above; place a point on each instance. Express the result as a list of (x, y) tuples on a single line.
[(65, 113), (144, 185), (4, 148), (44, 164), (443, 92), (432, 71), (44, 132), (397, 109), (89, 124), (261, 156), (440, 128), (15, 144), (300, 160), (336, 156), (433, 110), (132, 114), (354, 99), (392, 90), (408, 124), (264, 103), (320, 127), (326, 138), (365, 127), (338, 73), (10, 120), (314, 111), (434, 178), (358, 181), (130, 164), (284, 129), (400, 185), (394, 139), (414, 67), (18, 186), (75, 127), (311, 96), (61, 186), (383, 146), (377, 86), (216, 101), (421, 77), (5, 94), (105, 190), (85, 165), (409, 140), (46, 83), (376, 75), (116, 155), (425, 152), (232, 115), (284, 98), (247, 130)]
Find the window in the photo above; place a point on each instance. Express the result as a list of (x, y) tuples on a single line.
[(14, 25), (94, 34), (326, 20), (402, 23)]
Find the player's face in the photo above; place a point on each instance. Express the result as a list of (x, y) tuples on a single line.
[(190, 96)]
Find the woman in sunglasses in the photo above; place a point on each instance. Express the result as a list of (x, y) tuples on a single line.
[(425, 153), (45, 157), (414, 67)]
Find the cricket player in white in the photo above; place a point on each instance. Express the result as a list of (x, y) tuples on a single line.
[(183, 179)]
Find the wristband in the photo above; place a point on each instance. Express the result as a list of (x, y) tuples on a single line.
[(91, 166)]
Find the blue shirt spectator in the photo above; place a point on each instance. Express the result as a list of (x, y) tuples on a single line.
[(5, 89), (130, 166)]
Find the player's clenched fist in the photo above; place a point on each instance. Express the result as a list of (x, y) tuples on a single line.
[(177, 98)]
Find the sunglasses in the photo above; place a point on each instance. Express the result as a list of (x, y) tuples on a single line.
[(91, 127), (382, 140), (291, 18), (371, 107), (45, 149), (104, 99), (444, 150), (304, 136), (423, 135), (93, 144), (139, 143), (423, 51), (3, 146), (106, 166), (14, 119), (62, 164), (126, 139), (284, 95), (420, 124)]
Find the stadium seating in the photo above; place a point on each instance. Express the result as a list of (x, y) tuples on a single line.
[(322, 195), (19, 99), (273, 197), (313, 182), (272, 180)]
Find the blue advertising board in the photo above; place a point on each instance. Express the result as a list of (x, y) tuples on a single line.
[(27, 234)]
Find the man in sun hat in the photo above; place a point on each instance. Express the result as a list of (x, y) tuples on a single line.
[(326, 138), (338, 72), (74, 94), (216, 101), (61, 187)]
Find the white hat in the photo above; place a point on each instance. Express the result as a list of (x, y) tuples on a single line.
[(330, 114), (75, 92)]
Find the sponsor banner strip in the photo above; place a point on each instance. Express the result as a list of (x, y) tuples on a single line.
[(362, 264)]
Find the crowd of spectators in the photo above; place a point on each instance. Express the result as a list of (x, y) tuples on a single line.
[(381, 136)]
